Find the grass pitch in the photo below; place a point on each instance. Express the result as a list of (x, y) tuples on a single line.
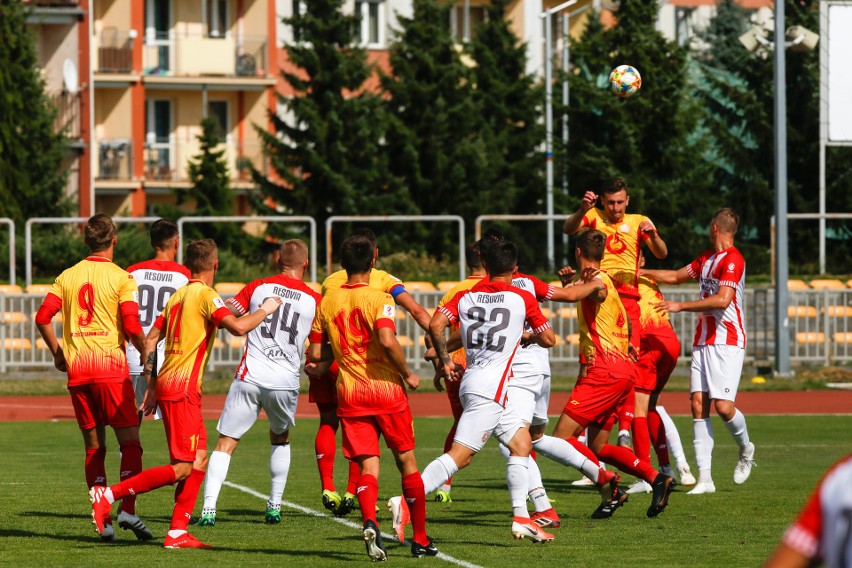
[(45, 514)]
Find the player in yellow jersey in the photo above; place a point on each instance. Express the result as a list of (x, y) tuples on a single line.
[(625, 234), (99, 304), (355, 325), (188, 324), (320, 375)]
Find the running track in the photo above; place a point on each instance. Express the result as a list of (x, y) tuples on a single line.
[(35, 408)]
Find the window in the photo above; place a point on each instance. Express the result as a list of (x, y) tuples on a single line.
[(463, 22), (372, 22), (297, 8), (218, 111), (216, 12)]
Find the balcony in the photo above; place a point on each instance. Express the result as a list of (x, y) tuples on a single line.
[(168, 161), (67, 114), (115, 159), (192, 56), (114, 51)]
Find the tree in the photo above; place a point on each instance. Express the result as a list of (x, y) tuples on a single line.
[(31, 178), (328, 150), (653, 139)]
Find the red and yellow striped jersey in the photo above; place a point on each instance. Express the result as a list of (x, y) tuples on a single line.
[(649, 296), (459, 357), (368, 382), (94, 294), (623, 241), (604, 329), (188, 325)]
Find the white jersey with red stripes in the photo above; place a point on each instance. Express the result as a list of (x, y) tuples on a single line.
[(712, 270), (532, 361), (492, 317), (824, 527), (273, 351), (157, 281)]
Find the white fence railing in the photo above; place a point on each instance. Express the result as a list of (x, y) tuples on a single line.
[(820, 329)]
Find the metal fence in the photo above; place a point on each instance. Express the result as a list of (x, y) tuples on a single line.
[(820, 329)]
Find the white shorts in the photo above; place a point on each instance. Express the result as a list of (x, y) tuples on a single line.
[(243, 404), (483, 417), (530, 404), (716, 369)]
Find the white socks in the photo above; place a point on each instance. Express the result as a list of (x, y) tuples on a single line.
[(279, 468), (438, 472), (561, 451), (703, 443), (737, 428), (672, 437), (217, 471), (517, 478)]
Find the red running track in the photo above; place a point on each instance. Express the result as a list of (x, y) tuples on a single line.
[(41, 408)]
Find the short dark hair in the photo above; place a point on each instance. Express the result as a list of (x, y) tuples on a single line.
[(201, 255), (727, 220), (613, 185), (473, 256), (366, 233), (500, 257), (591, 244), (162, 231), (356, 254), (99, 232)]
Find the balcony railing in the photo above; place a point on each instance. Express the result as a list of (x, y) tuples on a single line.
[(67, 114), (115, 158), (114, 50), (243, 56), (169, 161)]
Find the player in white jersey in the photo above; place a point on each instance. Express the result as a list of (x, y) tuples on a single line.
[(267, 377), (822, 533), (719, 344), (492, 315), (157, 280)]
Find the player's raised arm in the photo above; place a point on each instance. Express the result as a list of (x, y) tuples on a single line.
[(243, 325), (653, 239), (667, 276), (573, 223)]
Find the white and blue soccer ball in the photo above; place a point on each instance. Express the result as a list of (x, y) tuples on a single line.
[(625, 81)]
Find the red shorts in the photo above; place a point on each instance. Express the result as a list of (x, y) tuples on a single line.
[(631, 306), (105, 404), (322, 390), (185, 431), (455, 402), (657, 359), (597, 397), (361, 433)]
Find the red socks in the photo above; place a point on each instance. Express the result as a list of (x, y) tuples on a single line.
[(325, 445), (368, 493), (144, 482), (658, 437), (354, 475), (625, 413), (584, 449), (131, 464), (626, 461), (415, 496), (186, 493), (95, 469), (641, 439)]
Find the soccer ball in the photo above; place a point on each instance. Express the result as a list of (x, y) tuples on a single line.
[(624, 81)]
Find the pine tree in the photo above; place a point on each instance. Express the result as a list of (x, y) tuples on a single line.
[(328, 154), (32, 182)]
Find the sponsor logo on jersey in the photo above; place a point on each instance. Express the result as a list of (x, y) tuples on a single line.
[(388, 310), (620, 321), (218, 302)]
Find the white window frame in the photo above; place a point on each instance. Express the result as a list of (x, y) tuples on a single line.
[(364, 32), (150, 134)]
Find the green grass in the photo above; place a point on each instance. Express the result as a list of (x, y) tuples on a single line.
[(44, 517)]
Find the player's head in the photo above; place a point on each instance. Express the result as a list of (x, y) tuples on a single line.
[(293, 255), (164, 235), (100, 233), (614, 198), (357, 254), (369, 235), (202, 256), (590, 245), (473, 256), (499, 257), (725, 221)]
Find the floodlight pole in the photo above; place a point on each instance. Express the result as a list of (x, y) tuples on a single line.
[(548, 120), (782, 336)]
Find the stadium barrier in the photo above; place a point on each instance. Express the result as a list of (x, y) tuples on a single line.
[(820, 329)]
